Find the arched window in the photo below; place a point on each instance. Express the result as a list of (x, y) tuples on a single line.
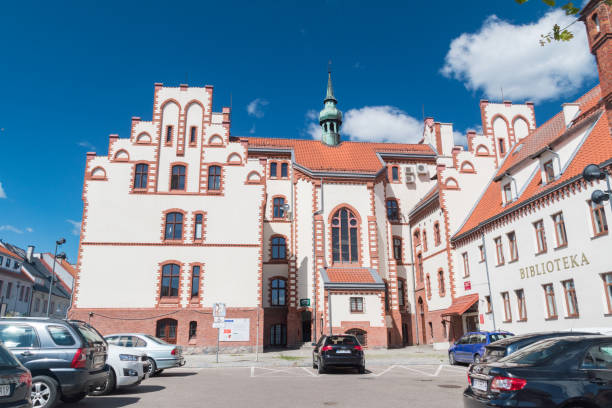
[(420, 267), (170, 280), (279, 248), (417, 238), (174, 226), (428, 286), (441, 287), (141, 174), (214, 178), (424, 240), (397, 249), (344, 236), (195, 281), (177, 181), (278, 288), (437, 233), (392, 210), (278, 207), (166, 330), (362, 336)]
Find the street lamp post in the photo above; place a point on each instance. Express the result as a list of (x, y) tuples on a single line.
[(593, 172), (59, 242)]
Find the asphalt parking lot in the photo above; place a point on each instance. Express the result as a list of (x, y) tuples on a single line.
[(392, 386)]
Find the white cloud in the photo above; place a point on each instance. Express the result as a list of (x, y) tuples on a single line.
[(28, 229), (76, 227), (11, 229), (252, 130), (312, 114), (87, 145), (504, 55), (255, 107), (2, 193), (381, 124), (314, 130)]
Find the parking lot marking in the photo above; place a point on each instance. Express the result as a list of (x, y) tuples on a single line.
[(309, 372), (383, 372), (284, 372)]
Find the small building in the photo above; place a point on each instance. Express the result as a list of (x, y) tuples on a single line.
[(16, 284)]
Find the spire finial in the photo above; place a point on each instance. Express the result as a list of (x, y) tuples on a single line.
[(330, 89)]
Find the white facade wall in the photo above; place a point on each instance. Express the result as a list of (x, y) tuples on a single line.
[(372, 310)]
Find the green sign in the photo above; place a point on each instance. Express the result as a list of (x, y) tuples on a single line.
[(304, 302)]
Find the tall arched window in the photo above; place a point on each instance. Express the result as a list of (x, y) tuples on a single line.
[(170, 280), (420, 267), (344, 236), (177, 182), (392, 210), (214, 178), (441, 286), (279, 248), (174, 226), (279, 297), (141, 174), (195, 281)]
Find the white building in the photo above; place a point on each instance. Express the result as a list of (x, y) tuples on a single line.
[(16, 284)]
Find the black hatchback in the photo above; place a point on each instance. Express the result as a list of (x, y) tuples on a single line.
[(502, 348), (341, 350), (560, 372), (15, 381)]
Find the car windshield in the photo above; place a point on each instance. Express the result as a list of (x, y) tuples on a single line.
[(538, 353), (156, 340), (499, 336), (7, 359), (344, 340)]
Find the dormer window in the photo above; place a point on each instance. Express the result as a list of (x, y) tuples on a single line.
[(549, 171), (507, 192)]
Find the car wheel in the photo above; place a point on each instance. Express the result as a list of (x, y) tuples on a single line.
[(451, 358), (361, 369), (320, 368), (108, 386), (476, 358), (158, 372), (70, 399), (44, 392), (152, 367), (314, 363)]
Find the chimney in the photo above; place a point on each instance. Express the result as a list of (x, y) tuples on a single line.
[(30, 253)]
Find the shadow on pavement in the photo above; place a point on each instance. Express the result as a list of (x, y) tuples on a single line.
[(176, 374), (140, 389), (106, 402)]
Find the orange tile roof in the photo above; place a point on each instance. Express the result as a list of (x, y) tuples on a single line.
[(350, 275), (597, 148), (434, 190), (349, 157), (5, 251), (461, 304)]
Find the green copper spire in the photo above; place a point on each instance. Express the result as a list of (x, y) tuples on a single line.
[(330, 117)]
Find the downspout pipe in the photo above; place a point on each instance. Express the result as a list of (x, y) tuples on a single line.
[(486, 262)]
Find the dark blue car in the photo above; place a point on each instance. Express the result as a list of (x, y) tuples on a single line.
[(471, 347)]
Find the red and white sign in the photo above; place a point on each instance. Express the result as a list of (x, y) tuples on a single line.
[(467, 285)]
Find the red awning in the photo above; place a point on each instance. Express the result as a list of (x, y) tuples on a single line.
[(461, 304)]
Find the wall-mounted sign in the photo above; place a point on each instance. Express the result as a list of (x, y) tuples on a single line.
[(467, 285), (555, 265), (304, 302), (235, 330)]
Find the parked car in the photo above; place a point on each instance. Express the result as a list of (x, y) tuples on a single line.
[(67, 358), (128, 367), (559, 372), (338, 351), (160, 355), (471, 346), (509, 345), (15, 381)]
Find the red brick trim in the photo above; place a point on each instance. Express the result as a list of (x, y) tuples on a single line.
[(121, 159), (285, 260), (428, 286), (230, 159), (163, 226), (170, 167), (171, 243), (451, 184), (171, 301), (133, 177), (272, 208), (97, 176), (221, 190), (270, 279), (467, 167), (141, 136), (253, 173), (214, 143), (482, 150), (390, 173)]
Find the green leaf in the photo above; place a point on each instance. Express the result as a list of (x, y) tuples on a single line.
[(569, 8), (525, 1), (551, 3)]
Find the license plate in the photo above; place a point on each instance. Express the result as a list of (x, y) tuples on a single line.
[(343, 351), (5, 390), (479, 385)]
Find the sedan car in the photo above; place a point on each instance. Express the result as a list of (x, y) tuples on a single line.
[(509, 345), (338, 351), (471, 346), (128, 367), (15, 381), (573, 371), (160, 355)]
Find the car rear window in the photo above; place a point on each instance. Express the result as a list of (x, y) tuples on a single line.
[(156, 340), (90, 335), (499, 336), (61, 336), (18, 336), (7, 359), (599, 357), (337, 340), (538, 353)]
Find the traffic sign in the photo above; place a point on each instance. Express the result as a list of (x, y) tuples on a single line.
[(218, 322), (304, 302), (219, 310)]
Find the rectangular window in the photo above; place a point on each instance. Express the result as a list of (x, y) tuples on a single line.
[(499, 250), (508, 193), (482, 253), (9, 289), (424, 240), (466, 265), (195, 281), (397, 249), (507, 307), (502, 147), (169, 134), (192, 134), (522, 308), (21, 293), (571, 300), (395, 173), (437, 234), (607, 280), (356, 305), (402, 295), (193, 329), (284, 170), (488, 301), (551, 305), (197, 230), (598, 218), (560, 232), (273, 168), (513, 246), (549, 171), (540, 236)]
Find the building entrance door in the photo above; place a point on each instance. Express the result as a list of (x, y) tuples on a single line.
[(166, 330), (306, 326)]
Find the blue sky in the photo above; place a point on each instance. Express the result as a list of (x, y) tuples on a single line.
[(74, 72)]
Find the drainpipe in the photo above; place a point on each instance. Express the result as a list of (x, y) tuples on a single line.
[(484, 250), (416, 314)]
